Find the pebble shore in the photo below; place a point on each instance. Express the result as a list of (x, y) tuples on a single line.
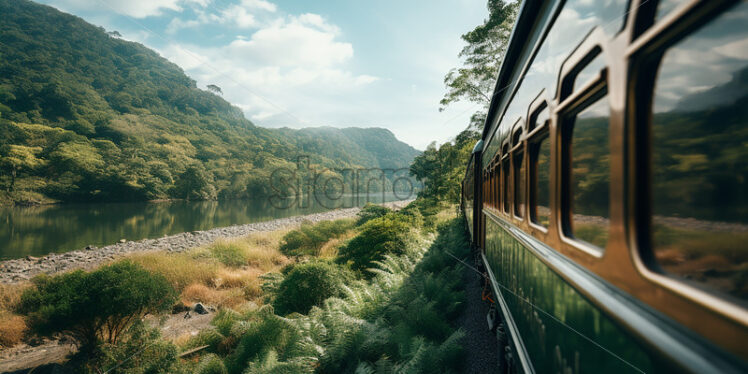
[(23, 269)]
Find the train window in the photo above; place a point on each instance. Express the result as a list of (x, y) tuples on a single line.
[(587, 165), (519, 182), (540, 174), (589, 71), (518, 173), (505, 174), (699, 171)]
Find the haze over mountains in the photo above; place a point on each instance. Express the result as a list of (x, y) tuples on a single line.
[(86, 116)]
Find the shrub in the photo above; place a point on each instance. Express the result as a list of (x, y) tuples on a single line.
[(309, 238), (209, 337), (371, 211), (142, 352), (378, 237), (12, 329), (228, 253), (211, 364), (96, 306), (309, 284)]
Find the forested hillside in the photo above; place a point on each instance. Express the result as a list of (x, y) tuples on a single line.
[(86, 116), (372, 147)]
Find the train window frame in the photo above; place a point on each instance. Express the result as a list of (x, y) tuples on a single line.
[(518, 149), (647, 53), (505, 178), (567, 120), (536, 134), (574, 98)]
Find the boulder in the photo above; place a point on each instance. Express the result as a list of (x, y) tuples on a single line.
[(200, 309)]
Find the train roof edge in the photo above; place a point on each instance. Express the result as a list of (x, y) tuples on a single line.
[(478, 147)]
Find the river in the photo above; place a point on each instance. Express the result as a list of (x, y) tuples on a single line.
[(39, 230)]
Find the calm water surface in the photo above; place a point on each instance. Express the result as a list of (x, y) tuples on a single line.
[(39, 230)]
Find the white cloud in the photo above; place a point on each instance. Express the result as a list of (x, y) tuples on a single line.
[(299, 41), (299, 61), (132, 8), (241, 15)]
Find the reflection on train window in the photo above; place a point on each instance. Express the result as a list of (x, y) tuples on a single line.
[(541, 177), (664, 7), (505, 172), (519, 183), (699, 172), (590, 71), (590, 174)]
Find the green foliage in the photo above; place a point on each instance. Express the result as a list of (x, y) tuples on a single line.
[(18, 158), (309, 284), (228, 253), (485, 49), (195, 184), (371, 211), (442, 168), (114, 121), (310, 237), (96, 306), (211, 364), (142, 352), (380, 236), (398, 321)]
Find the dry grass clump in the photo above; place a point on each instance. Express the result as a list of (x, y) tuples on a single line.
[(180, 269), (199, 293), (258, 250), (12, 329), (10, 295), (223, 274)]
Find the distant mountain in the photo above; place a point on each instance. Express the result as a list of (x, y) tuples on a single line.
[(369, 147), (737, 87), (87, 116)]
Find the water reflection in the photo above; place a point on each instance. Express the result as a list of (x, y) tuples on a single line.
[(43, 229)]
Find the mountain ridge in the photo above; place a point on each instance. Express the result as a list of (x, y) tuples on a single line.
[(85, 116)]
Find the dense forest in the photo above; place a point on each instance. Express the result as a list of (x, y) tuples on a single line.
[(87, 116)]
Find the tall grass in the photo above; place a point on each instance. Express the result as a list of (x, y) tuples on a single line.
[(12, 329), (12, 326), (180, 269), (310, 238)]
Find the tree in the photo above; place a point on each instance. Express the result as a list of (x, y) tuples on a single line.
[(94, 307), (485, 49), (195, 184), (215, 89), (20, 158)]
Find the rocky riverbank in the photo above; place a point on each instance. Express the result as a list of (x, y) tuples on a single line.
[(19, 270)]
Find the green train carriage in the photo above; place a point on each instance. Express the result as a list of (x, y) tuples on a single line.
[(608, 196)]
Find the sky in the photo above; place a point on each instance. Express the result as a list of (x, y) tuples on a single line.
[(297, 63)]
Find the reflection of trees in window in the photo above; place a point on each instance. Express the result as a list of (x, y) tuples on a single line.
[(699, 169), (541, 156), (506, 173), (519, 183), (590, 174)]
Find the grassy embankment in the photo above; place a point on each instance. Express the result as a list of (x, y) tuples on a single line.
[(333, 297)]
